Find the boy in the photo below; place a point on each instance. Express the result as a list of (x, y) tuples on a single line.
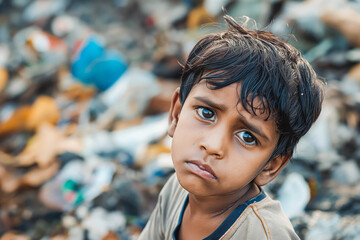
[(246, 98)]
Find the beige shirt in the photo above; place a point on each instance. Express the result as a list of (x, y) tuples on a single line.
[(259, 218)]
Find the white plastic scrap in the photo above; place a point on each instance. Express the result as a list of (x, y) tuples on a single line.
[(294, 195)]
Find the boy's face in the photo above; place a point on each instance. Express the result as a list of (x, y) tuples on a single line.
[(218, 147)]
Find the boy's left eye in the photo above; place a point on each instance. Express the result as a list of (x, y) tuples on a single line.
[(205, 113), (247, 138)]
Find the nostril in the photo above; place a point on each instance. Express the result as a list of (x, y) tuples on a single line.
[(217, 153)]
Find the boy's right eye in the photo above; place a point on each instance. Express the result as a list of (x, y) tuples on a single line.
[(205, 113)]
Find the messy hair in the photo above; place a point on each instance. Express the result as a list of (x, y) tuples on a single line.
[(268, 70)]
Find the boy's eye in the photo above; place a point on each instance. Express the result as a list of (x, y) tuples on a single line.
[(205, 113), (247, 138)]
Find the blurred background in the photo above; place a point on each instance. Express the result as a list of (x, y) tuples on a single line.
[(85, 87)]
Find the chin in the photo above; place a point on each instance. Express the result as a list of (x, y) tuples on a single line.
[(194, 184)]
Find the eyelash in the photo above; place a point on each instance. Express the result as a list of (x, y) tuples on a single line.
[(199, 112), (253, 143)]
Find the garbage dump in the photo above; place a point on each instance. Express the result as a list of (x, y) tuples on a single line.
[(85, 88)]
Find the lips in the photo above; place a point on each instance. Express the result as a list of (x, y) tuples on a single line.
[(201, 169)]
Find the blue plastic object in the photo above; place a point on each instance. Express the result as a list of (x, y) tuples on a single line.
[(95, 65)]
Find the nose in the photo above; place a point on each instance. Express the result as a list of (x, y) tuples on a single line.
[(214, 143)]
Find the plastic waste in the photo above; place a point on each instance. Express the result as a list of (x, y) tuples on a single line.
[(69, 221), (93, 64), (33, 40), (294, 195), (129, 96), (4, 55), (347, 172), (43, 110), (12, 178), (16, 122), (132, 140), (321, 138), (45, 145), (77, 182), (42, 52), (324, 226), (304, 15), (152, 151), (38, 175), (126, 99), (168, 67), (17, 86), (353, 55), (164, 14), (20, 3), (350, 85), (124, 195), (63, 25), (213, 7), (41, 9), (100, 222), (8, 181), (76, 233), (121, 3), (319, 50), (161, 103), (199, 16), (345, 20), (158, 170)]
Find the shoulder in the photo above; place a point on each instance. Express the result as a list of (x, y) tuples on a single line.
[(264, 220), (171, 199), (165, 216), (172, 190)]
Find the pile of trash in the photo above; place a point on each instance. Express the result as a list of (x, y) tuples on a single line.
[(84, 95)]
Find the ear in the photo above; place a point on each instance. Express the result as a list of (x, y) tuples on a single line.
[(174, 112), (272, 169)]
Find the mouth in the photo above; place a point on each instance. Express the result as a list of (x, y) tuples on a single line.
[(200, 169)]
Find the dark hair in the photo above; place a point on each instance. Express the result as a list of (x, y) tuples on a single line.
[(268, 69)]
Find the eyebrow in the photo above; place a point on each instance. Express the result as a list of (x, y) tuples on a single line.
[(222, 107), (253, 128), (211, 103)]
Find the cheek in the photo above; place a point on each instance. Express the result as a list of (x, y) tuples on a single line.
[(178, 145), (243, 163), (185, 137), (185, 128)]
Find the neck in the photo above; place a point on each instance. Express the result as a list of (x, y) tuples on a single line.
[(222, 205)]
